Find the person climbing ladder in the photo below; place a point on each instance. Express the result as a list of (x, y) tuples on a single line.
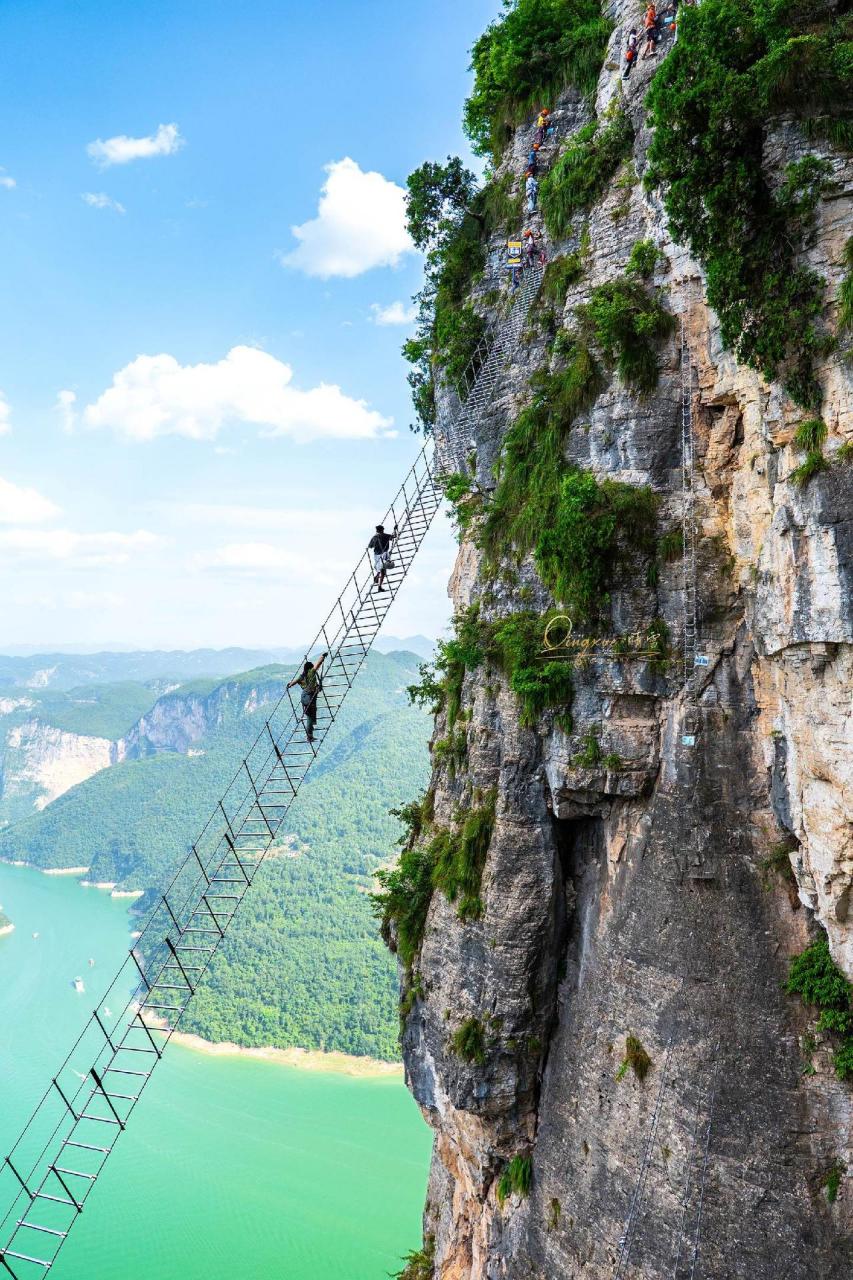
[(310, 682), (380, 545)]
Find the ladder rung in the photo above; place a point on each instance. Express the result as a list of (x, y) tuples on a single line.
[(41, 1195), (48, 1231), (24, 1257), (124, 1071), (170, 1008), (125, 1097), (77, 1173), (87, 1146), (100, 1119)]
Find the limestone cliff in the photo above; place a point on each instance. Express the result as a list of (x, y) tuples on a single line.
[(652, 871)]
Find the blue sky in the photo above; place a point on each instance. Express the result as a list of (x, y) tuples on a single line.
[(155, 489)]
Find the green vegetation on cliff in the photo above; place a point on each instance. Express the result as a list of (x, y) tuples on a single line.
[(816, 978), (735, 68), (525, 59), (451, 860)]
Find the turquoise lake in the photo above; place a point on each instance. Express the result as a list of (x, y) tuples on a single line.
[(231, 1168)]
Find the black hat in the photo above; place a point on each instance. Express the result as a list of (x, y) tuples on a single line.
[(380, 528)]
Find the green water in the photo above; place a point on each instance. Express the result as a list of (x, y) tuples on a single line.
[(231, 1168)]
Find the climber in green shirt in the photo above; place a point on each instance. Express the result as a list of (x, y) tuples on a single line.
[(310, 683)]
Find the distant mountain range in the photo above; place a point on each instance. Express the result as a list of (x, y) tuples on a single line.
[(64, 669)]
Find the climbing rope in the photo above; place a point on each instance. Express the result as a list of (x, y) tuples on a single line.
[(702, 1183), (705, 1101), (49, 1173)]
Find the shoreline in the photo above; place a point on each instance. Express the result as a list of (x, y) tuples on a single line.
[(106, 886), (303, 1059)]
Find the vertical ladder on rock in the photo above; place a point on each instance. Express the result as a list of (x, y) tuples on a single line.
[(704, 1103), (627, 1241), (483, 375), (688, 514), (48, 1175)]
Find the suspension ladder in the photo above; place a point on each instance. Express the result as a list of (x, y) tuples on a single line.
[(482, 376), (52, 1168)]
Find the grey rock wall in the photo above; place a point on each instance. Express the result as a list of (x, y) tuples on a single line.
[(636, 901)]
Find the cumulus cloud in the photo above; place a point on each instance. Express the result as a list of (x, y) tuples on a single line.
[(24, 506), (5, 416), (360, 224), (65, 402), (85, 550), (122, 149), (100, 200), (156, 396), (394, 313), (5, 180)]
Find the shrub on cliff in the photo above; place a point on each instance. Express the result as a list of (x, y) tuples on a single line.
[(420, 1264), (515, 1179), (469, 1042), (526, 58), (816, 978), (460, 858), (626, 322), (734, 67)]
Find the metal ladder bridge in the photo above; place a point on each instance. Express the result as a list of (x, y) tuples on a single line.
[(50, 1172)]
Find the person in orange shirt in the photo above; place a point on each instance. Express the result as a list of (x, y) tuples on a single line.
[(650, 22)]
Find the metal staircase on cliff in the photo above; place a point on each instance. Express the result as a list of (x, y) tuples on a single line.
[(50, 1172), (483, 375)]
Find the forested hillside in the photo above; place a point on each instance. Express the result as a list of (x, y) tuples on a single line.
[(304, 965)]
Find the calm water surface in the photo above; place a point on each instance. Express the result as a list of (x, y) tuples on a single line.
[(231, 1169)]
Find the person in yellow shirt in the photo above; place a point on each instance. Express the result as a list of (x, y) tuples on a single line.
[(542, 123)]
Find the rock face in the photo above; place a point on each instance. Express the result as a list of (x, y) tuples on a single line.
[(41, 762), (636, 901)]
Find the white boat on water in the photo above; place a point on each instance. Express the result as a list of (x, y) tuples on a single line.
[(35, 935), (79, 985), (91, 963)]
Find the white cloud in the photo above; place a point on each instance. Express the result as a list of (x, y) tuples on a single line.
[(24, 506), (5, 180), (257, 559), (155, 396), (5, 415), (94, 600), (360, 224), (311, 521), (394, 313), (81, 549), (65, 402), (100, 200), (122, 149)]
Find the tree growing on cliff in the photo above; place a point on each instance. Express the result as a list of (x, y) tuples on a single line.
[(437, 196)]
